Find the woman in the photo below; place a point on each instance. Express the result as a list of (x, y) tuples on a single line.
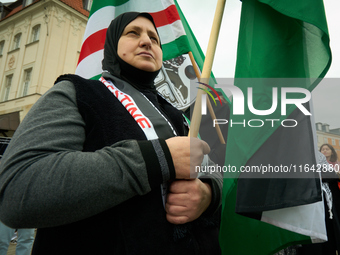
[(331, 155), (87, 163)]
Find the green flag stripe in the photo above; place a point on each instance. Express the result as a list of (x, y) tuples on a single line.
[(196, 51), (310, 11), (103, 3), (96, 77), (175, 48)]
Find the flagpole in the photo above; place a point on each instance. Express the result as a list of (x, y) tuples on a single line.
[(211, 110), (207, 66)]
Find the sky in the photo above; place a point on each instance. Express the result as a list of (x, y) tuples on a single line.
[(200, 14)]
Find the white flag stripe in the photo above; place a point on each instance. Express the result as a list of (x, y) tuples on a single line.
[(168, 34), (303, 219), (140, 6), (102, 18), (171, 32), (91, 65), (99, 20)]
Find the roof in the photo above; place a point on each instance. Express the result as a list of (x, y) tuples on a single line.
[(75, 4), (15, 10)]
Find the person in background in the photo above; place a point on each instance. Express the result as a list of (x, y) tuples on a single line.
[(333, 180), (24, 243), (331, 156), (112, 158), (25, 237)]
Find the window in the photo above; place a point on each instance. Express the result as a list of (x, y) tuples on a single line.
[(333, 141), (7, 88), (3, 10), (87, 4), (318, 126), (27, 80), (2, 45), (27, 2), (35, 33), (325, 140), (16, 41)]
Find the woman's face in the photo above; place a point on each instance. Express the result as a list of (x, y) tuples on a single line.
[(139, 45), (325, 150)]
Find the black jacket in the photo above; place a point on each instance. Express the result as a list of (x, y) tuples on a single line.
[(137, 226)]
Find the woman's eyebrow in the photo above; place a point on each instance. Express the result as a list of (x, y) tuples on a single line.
[(138, 29)]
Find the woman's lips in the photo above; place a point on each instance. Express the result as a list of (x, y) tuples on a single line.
[(145, 54)]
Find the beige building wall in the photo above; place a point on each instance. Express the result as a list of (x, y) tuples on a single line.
[(54, 53)]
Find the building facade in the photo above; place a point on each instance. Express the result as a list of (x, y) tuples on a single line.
[(39, 40), (327, 135)]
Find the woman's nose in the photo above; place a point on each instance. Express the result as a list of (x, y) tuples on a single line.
[(145, 41)]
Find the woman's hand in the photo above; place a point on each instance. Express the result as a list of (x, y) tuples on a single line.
[(187, 153), (187, 200)]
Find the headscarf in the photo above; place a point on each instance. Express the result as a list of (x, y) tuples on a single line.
[(118, 67)]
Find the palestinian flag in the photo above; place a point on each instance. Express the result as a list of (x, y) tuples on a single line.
[(176, 37), (282, 44)]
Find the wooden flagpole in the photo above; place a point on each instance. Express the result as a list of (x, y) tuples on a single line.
[(207, 66), (211, 110)]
